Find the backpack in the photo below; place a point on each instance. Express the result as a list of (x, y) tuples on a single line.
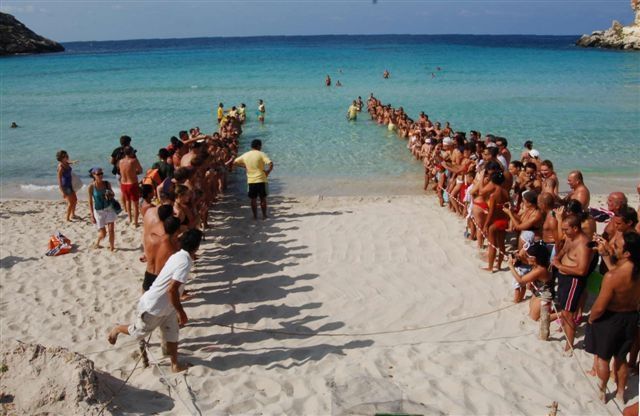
[(152, 177)]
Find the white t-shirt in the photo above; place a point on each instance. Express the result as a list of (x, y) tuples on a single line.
[(156, 299), (503, 162)]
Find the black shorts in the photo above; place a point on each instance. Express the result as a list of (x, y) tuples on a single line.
[(149, 278), (612, 334), (257, 190), (570, 290)]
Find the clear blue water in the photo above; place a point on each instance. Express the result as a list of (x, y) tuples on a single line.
[(580, 107)]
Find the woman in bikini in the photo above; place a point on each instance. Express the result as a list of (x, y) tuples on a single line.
[(65, 182), (481, 190), (497, 221)]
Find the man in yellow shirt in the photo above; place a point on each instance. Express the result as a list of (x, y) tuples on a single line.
[(255, 161), (220, 112)]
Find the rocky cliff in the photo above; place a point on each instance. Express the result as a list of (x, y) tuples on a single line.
[(617, 36), (17, 38)]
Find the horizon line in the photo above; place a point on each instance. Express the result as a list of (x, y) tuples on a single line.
[(322, 35)]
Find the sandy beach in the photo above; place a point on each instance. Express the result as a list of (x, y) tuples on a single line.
[(335, 305)]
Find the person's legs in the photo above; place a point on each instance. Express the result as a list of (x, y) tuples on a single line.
[(254, 208), (263, 206), (112, 236), (102, 232), (492, 251), (602, 370), (172, 351), (620, 367), (136, 213), (500, 236), (633, 354), (569, 327)]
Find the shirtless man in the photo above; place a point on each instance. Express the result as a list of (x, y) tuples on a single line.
[(615, 201), (614, 316), (572, 264), (549, 178), (153, 236), (578, 189), (130, 168), (550, 224)]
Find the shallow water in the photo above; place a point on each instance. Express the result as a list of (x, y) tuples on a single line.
[(580, 107)]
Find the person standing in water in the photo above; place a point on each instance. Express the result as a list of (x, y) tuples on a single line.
[(352, 112), (261, 111), (327, 81), (255, 161)]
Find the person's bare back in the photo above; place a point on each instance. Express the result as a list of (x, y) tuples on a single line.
[(130, 168)]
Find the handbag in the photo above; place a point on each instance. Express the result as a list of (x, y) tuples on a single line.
[(116, 206)]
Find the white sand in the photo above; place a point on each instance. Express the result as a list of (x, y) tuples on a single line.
[(353, 265)]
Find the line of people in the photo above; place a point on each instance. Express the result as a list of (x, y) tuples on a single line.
[(556, 251)]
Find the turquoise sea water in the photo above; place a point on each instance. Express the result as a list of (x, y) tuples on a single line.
[(580, 107)]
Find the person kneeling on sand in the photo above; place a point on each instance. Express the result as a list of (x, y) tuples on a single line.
[(160, 306)]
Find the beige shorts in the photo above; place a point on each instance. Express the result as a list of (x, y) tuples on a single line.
[(146, 323)]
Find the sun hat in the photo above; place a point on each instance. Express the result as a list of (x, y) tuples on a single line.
[(534, 153)]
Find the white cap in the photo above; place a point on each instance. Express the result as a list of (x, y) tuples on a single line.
[(447, 141), (492, 144), (534, 153)]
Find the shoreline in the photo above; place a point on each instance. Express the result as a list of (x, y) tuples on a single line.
[(410, 184)]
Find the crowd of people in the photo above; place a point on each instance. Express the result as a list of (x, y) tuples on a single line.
[(554, 250), (171, 200)]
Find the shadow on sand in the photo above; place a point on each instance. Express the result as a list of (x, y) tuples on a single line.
[(249, 265)]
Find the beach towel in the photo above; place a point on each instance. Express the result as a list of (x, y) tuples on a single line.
[(58, 245)]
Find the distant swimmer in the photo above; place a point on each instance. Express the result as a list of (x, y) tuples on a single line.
[(359, 103), (352, 112), (438, 68), (14, 125), (338, 84), (386, 74), (327, 81), (433, 75), (261, 111)]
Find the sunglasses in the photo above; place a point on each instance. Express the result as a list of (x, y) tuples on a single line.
[(99, 173)]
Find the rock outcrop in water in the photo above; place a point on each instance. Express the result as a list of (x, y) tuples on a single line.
[(618, 36), (16, 38)]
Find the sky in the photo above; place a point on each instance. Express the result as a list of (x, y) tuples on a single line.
[(86, 20)]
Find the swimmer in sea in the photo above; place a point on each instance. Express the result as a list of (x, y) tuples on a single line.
[(14, 125), (261, 111), (338, 84), (386, 74), (352, 112), (327, 81)]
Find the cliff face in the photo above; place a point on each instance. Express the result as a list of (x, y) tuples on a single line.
[(17, 38), (617, 36)]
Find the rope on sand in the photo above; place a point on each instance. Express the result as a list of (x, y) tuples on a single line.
[(144, 346), (365, 334)]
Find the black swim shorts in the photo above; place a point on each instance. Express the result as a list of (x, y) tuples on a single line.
[(257, 190), (612, 334), (149, 278), (570, 289)]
